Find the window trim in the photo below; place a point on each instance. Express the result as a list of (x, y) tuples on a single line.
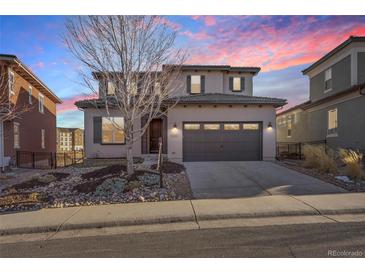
[(41, 103), (200, 84), (16, 124), (43, 138), (239, 79), (112, 143), (335, 129), (329, 79)]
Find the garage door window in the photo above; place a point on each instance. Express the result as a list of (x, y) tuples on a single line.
[(211, 126), (231, 126), (250, 126), (192, 126)]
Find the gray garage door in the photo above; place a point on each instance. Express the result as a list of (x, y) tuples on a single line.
[(222, 141)]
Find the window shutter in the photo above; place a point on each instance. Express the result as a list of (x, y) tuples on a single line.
[(97, 129), (230, 83), (242, 83), (202, 83), (188, 83)]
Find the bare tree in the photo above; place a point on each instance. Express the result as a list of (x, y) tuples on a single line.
[(133, 54), (9, 110)]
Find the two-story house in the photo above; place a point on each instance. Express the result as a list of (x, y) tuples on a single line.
[(216, 118), (34, 130), (335, 111)]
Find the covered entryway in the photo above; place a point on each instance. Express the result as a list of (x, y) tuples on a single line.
[(222, 141)]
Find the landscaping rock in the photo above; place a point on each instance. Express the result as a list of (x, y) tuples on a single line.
[(132, 185), (48, 178), (111, 185), (149, 179), (344, 179)]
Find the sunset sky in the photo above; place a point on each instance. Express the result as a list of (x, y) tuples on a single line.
[(281, 45)]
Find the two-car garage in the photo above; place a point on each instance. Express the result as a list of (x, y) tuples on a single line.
[(222, 141)]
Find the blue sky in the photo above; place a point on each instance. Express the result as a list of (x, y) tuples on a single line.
[(281, 45)]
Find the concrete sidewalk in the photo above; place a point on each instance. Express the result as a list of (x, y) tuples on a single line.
[(179, 212)]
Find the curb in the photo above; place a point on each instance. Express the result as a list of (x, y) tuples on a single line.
[(171, 220)]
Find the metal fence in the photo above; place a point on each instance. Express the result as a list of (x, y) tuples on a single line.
[(291, 150), (48, 160)]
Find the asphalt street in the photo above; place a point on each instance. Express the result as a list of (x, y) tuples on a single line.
[(305, 240)]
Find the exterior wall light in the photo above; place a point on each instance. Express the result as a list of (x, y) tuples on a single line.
[(175, 126), (269, 125)]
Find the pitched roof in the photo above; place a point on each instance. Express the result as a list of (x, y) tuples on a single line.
[(334, 51), (309, 104), (221, 98), (208, 98), (30, 76)]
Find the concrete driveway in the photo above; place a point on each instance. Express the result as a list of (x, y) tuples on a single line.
[(248, 179)]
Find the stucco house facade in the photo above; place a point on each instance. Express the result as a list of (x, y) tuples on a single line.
[(335, 111), (216, 118)]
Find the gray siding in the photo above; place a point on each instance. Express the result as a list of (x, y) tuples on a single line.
[(341, 80), (312, 125), (361, 67)]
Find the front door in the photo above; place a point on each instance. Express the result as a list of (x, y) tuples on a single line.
[(155, 134)]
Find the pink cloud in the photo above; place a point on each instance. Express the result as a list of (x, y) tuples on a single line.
[(69, 103), (270, 45), (209, 20)]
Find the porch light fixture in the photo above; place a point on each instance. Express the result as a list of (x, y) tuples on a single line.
[(175, 126), (269, 125)]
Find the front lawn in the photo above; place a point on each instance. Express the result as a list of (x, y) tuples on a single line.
[(90, 185)]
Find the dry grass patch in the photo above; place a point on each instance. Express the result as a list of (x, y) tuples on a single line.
[(353, 161), (318, 157)]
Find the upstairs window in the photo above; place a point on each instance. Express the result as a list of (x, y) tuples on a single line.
[(11, 83), (332, 122), (196, 84), (41, 103), (328, 80), (236, 84), (30, 91), (110, 88)]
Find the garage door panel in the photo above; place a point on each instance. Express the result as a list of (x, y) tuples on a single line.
[(229, 143)]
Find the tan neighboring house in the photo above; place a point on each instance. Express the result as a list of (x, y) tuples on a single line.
[(335, 112), (217, 118), (70, 139), (35, 130)]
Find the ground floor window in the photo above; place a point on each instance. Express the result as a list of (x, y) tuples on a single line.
[(332, 122), (16, 135), (43, 138), (113, 130)]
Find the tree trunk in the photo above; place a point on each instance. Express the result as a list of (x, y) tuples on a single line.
[(130, 169)]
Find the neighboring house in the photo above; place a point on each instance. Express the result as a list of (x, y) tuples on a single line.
[(35, 130), (217, 118), (335, 111), (70, 139)]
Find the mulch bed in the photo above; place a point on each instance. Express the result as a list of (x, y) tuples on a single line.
[(102, 172), (352, 187), (60, 175), (170, 167), (22, 198)]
